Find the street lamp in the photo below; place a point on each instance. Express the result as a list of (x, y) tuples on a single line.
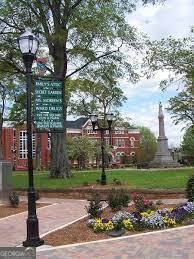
[(28, 45), (97, 127)]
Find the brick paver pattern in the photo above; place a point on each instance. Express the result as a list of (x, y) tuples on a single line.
[(174, 244), (13, 229)]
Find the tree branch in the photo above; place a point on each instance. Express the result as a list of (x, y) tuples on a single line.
[(93, 60), (76, 4)]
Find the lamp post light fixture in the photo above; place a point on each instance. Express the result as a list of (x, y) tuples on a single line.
[(28, 45), (97, 127)]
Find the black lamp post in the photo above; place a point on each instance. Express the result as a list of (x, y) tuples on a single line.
[(97, 127), (28, 44)]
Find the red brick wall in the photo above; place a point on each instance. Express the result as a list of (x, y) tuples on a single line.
[(8, 144)]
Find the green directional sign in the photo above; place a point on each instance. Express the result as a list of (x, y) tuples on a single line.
[(48, 105)]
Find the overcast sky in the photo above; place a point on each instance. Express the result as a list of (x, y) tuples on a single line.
[(175, 18)]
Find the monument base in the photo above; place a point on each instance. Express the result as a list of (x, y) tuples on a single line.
[(163, 161)]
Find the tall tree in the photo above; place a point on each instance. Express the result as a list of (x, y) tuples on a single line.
[(90, 96), (182, 107), (81, 36), (148, 144), (81, 148), (7, 93), (187, 144), (173, 56)]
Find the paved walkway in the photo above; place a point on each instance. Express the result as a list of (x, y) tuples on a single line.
[(167, 244), (13, 228)]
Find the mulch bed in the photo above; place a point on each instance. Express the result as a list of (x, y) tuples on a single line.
[(7, 210), (79, 232)]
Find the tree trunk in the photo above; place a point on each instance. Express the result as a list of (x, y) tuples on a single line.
[(60, 167), (38, 152), (1, 131)]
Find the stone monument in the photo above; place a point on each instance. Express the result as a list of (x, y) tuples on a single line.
[(5, 180), (163, 158)]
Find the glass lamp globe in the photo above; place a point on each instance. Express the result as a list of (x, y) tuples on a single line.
[(94, 118), (28, 42), (109, 116)]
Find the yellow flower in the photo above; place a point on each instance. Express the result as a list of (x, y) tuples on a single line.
[(108, 226), (169, 222), (127, 224), (145, 214)]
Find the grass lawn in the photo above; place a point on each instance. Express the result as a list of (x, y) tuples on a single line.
[(163, 179)]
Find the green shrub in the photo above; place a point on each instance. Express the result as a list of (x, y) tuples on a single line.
[(142, 204), (116, 181), (95, 206), (190, 188), (14, 199), (118, 198)]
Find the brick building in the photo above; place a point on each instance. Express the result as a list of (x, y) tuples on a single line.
[(125, 142)]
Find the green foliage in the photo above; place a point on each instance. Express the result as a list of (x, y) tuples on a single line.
[(148, 145), (118, 198), (14, 199), (181, 107), (116, 181), (141, 204), (173, 55), (125, 160), (190, 189), (81, 148), (187, 144), (95, 206), (92, 96)]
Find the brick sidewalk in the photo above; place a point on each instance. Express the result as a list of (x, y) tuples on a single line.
[(13, 229), (168, 244)]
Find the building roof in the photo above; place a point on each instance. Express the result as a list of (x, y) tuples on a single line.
[(77, 124)]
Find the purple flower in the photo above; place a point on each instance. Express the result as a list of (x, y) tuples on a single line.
[(105, 221)]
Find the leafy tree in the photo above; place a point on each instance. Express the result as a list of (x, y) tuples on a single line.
[(81, 148), (7, 92), (187, 144), (89, 97), (171, 55), (82, 37), (181, 107), (148, 144), (176, 57)]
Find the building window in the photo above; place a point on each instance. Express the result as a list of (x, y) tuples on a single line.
[(119, 132), (107, 141), (120, 142), (118, 154), (49, 142), (132, 142), (132, 153), (24, 147), (90, 131)]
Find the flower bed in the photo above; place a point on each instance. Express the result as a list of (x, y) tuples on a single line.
[(79, 231), (145, 220)]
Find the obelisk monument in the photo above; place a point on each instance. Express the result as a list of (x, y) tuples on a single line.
[(163, 158)]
